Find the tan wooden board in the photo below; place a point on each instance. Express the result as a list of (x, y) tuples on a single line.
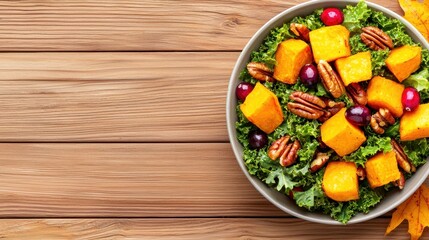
[(194, 228), (135, 25), (144, 97), (125, 180)]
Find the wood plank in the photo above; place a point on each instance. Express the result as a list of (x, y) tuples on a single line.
[(138, 97), (125, 180), (207, 228), (136, 25)]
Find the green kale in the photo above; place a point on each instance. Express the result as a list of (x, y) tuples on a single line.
[(374, 143), (378, 62), (312, 21), (280, 180), (356, 44), (244, 127), (356, 16), (420, 81), (268, 48), (417, 151)]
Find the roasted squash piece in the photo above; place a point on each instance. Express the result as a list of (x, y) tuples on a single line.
[(340, 135), (330, 43), (340, 181), (385, 93), (415, 124), (291, 55), (262, 108), (355, 68), (382, 169), (404, 60)]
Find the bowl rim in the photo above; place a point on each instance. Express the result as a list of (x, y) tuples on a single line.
[(231, 115)]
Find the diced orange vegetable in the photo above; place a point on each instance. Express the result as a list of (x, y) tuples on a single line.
[(415, 124), (404, 60), (382, 169), (340, 135), (291, 55), (262, 108), (330, 43), (340, 181), (385, 93), (356, 68)]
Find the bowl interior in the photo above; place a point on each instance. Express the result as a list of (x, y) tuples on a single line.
[(393, 199)]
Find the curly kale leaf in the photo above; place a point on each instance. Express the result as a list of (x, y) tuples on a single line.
[(312, 21), (268, 48), (417, 151), (356, 16), (378, 64), (373, 144)]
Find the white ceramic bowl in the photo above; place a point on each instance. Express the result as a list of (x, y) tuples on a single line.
[(393, 199)]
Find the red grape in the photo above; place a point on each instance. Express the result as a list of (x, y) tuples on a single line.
[(410, 99), (243, 89), (358, 115), (332, 16), (258, 139), (309, 75)]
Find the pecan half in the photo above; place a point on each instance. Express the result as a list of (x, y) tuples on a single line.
[(330, 79), (361, 173), (277, 147), (306, 105), (290, 154), (320, 161), (402, 158), (400, 183), (332, 108), (376, 39), (301, 31), (381, 120), (260, 71), (357, 94)]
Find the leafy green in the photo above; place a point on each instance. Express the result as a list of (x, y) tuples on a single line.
[(356, 44), (417, 150), (244, 127), (355, 16), (378, 62), (425, 58), (392, 27), (374, 144), (278, 178), (268, 48), (312, 21), (420, 81)]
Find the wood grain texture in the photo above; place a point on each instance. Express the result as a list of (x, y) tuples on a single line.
[(137, 97), (125, 180), (194, 228), (135, 25)]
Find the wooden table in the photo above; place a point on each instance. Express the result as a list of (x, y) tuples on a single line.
[(113, 123)]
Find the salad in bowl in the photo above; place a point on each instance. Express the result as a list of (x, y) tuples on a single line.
[(328, 111)]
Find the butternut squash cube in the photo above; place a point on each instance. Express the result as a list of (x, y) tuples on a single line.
[(355, 68), (404, 60), (262, 108), (385, 93), (340, 135), (330, 43), (415, 124), (340, 181), (291, 56), (382, 169)]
